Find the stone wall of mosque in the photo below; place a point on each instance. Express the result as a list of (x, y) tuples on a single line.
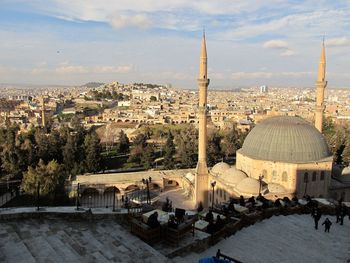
[(308, 178)]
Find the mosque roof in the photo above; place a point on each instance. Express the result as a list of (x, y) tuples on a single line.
[(233, 175), (248, 186), (285, 139), (220, 168), (345, 175), (276, 188)]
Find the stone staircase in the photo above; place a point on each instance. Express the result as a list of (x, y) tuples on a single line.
[(58, 240)]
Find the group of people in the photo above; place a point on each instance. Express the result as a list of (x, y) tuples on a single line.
[(213, 226), (316, 213)]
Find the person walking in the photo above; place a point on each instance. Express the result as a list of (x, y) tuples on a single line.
[(327, 225), (317, 217)]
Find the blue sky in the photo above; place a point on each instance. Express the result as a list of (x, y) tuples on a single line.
[(249, 42)]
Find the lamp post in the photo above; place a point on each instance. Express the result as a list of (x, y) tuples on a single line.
[(146, 182), (261, 177), (213, 183)]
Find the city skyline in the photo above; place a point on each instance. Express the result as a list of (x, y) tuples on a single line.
[(249, 43)]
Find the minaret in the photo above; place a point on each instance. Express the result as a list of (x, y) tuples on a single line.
[(201, 186), (43, 119), (321, 84)]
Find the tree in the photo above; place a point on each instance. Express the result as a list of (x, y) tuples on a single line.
[(187, 142), (49, 176), (346, 152), (214, 148), (93, 152), (124, 143), (147, 157), (169, 151), (153, 98), (230, 143), (70, 151), (139, 145)]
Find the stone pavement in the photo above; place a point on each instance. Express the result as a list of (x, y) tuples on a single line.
[(60, 240)]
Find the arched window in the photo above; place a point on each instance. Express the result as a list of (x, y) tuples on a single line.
[(264, 173), (284, 176), (225, 195), (314, 174), (274, 176), (220, 192), (306, 177), (322, 176)]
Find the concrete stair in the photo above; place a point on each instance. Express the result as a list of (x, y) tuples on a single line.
[(57, 240)]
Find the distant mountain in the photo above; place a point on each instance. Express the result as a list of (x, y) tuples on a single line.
[(92, 84)]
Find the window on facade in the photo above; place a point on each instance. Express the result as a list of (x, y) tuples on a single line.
[(264, 173), (284, 176), (314, 176), (209, 197), (225, 195), (306, 177), (274, 176), (220, 192), (322, 176)]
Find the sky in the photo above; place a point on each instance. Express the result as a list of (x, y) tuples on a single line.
[(249, 42)]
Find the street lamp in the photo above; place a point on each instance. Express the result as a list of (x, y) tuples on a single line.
[(146, 182), (213, 183), (261, 177)]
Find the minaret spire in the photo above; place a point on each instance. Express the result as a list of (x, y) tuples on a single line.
[(321, 84), (43, 117), (202, 170)]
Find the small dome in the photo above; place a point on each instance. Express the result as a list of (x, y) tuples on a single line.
[(345, 175), (346, 171), (248, 186), (276, 188), (233, 175), (219, 168), (190, 176)]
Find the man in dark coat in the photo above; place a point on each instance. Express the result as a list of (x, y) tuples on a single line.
[(317, 217), (327, 225), (153, 220)]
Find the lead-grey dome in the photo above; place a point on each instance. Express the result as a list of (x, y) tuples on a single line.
[(285, 139)]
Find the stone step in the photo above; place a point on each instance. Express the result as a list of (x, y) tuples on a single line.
[(65, 252), (41, 249), (16, 252)]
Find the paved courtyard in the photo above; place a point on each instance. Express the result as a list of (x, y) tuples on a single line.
[(58, 240)]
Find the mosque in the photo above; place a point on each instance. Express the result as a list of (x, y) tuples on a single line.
[(281, 156)]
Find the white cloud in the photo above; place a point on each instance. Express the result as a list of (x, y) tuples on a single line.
[(71, 69), (112, 69), (276, 44), (288, 53), (138, 20), (334, 42)]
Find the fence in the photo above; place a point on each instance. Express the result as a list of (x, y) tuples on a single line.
[(8, 191)]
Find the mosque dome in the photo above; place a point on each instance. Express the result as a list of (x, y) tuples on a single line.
[(345, 175), (276, 188), (248, 186), (233, 175), (285, 139), (219, 168)]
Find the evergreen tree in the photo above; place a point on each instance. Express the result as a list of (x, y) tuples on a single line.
[(93, 152), (187, 142), (138, 147), (124, 143), (70, 151), (147, 157), (169, 151), (214, 149), (49, 176)]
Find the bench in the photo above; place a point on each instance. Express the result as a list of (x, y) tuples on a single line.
[(144, 232), (174, 235)]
